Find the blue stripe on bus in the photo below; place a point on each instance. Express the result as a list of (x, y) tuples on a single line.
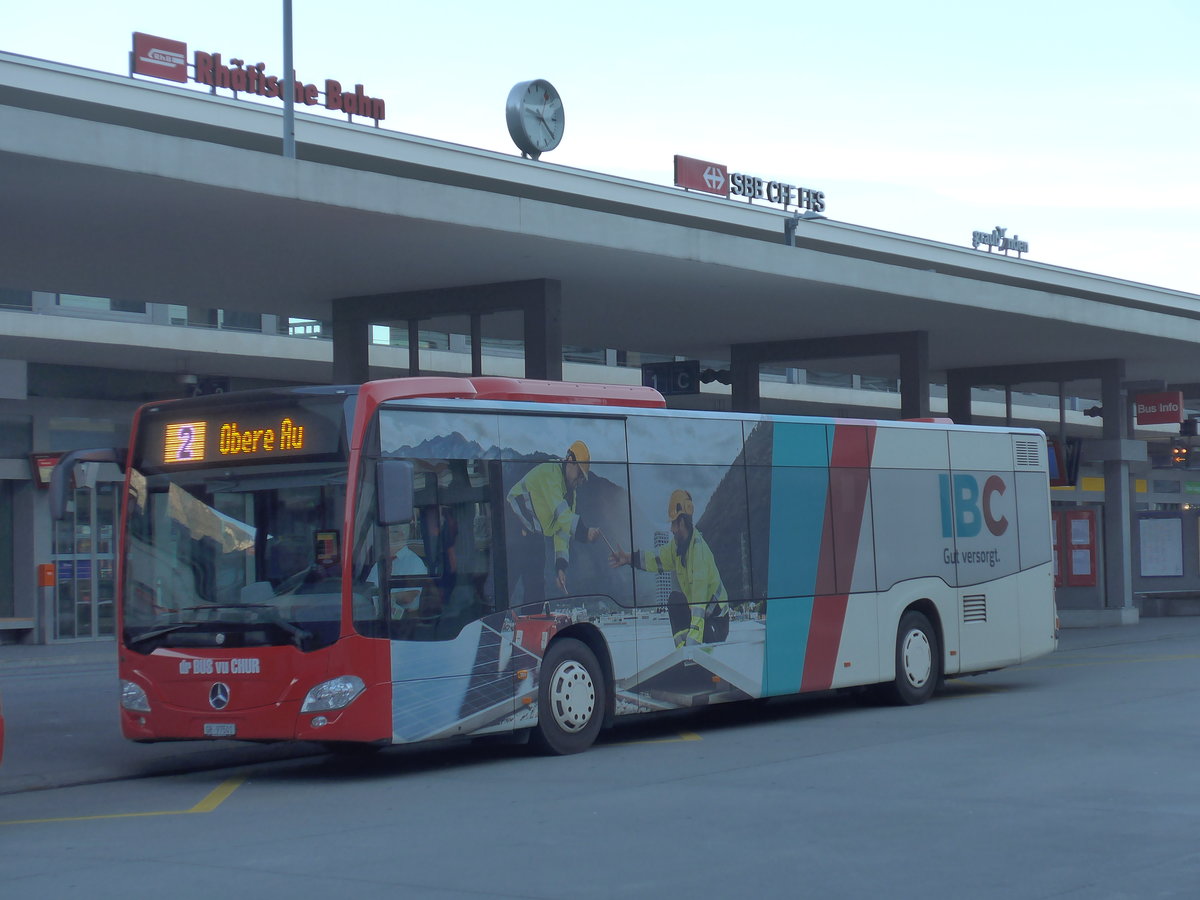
[(799, 484)]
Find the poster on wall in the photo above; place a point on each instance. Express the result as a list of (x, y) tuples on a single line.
[(1161, 547)]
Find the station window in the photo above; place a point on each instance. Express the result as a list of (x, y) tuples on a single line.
[(100, 304), (595, 356), (10, 299), (397, 336), (879, 383), (16, 436), (75, 432), (306, 328), (235, 320), (830, 379)]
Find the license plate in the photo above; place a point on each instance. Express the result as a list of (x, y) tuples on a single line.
[(219, 729)]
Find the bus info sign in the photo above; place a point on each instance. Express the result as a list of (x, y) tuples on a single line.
[(164, 58), (1164, 408)]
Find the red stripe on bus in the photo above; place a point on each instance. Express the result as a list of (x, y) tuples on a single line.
[(850, 463)]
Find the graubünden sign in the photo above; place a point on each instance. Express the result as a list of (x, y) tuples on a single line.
[(165, 58), (715, 178)]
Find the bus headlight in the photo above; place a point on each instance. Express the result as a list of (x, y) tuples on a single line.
[(333, 694), (133, 697)]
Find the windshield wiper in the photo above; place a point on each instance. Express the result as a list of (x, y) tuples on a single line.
[(134, 643), (297, 634)]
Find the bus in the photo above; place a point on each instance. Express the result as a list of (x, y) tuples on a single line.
[(432, 557)]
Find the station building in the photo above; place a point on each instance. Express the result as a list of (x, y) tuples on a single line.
[(158, 244)]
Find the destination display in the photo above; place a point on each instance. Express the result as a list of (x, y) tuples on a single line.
[(241, 434)]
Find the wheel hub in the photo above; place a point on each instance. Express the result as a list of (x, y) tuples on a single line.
[(918, 657), (572, 696)]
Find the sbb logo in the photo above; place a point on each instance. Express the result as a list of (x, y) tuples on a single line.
[(966, 509)]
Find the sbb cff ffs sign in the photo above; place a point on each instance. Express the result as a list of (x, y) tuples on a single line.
[(672, 377), (1159, 409)]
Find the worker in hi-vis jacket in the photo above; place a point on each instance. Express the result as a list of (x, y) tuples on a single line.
[(699, 610), (542, 508)]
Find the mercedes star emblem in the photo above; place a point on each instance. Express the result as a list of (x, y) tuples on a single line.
[(218, 695)]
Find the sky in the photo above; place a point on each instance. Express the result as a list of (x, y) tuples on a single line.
[(1073, 125)]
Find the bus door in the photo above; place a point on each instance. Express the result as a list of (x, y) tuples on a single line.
[(980, 507)]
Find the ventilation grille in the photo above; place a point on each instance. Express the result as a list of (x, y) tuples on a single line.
[(974, 607), (1027, 455)]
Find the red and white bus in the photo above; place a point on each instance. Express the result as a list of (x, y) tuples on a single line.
[(422, 558)]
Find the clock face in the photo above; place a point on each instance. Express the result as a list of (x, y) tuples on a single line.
[(535, 117)]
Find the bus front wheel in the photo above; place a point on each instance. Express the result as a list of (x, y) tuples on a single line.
[(571, 698), (918, 661)]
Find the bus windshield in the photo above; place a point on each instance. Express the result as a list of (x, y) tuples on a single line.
[(243, 557)]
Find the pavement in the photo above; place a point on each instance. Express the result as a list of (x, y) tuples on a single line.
[(60, 704), (15, 657)]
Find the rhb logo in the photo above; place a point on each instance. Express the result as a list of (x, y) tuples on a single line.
[(966, 508)]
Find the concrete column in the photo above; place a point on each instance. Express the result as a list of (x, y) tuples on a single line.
[(351, 345), (958, 398), (1118, 495), (914, 375), (743, 377), (477, 344), (414, 347), (543, 331)]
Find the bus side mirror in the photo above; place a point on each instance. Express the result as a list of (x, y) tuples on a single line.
[(394, 487), (60, 477)]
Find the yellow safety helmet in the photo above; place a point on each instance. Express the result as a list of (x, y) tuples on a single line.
[(578, 453), (680, 504)]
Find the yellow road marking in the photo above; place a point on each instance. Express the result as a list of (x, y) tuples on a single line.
[(1093, 661), (217, 795), (682, 736), (215, 798), (957, 686)]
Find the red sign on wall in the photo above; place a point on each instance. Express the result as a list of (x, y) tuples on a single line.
[(159, 57), (1159, 409), (43, 465), (698, 175)]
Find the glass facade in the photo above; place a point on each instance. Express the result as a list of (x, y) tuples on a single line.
[(7, 596), (84, 559)]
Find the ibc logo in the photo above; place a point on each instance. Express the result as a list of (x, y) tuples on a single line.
[(966, 508)]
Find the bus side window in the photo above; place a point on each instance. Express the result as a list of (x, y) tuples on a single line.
[(452, 537)]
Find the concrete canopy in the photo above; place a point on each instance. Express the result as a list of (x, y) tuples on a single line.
[(129, 189)]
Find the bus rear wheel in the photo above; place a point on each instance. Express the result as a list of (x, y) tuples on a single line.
[(918, 661), (571, 698)]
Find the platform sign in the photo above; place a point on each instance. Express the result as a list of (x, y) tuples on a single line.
[(1165, 408), (681, 377), (698, 175)]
